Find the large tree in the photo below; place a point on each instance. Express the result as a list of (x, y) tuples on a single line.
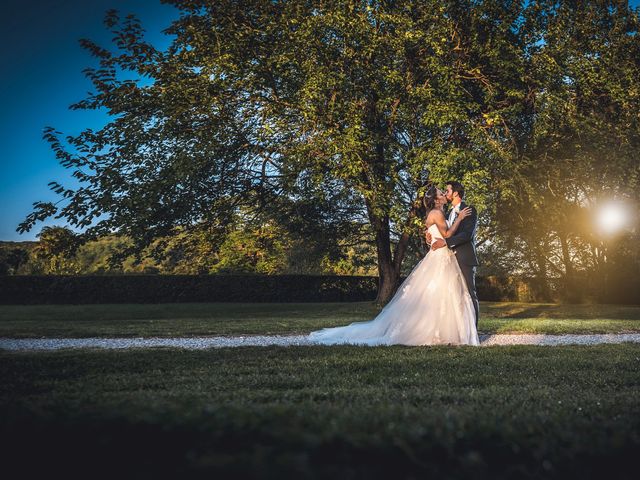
[(256, 101)]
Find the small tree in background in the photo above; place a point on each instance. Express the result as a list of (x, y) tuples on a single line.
[(56, 250)]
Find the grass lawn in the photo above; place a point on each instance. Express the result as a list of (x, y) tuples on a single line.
[(124, 320), (317, 412)]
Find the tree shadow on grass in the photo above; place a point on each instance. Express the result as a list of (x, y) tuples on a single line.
[(561, 311)]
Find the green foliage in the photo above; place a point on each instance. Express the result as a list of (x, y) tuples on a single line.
[(95, 257), (256, 106), (14, 257), (298, 238), (581, 150), (56, 249), (383, 95), (252, 250), (356, 259)]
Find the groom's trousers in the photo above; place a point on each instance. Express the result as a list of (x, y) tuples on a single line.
[(469, 273)]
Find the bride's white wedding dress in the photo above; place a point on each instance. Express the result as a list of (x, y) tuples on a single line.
[(432, 306)]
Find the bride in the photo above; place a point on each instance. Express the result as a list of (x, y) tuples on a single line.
[(432, 306)]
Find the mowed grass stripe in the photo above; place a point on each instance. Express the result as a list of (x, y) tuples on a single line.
[(196, 319)]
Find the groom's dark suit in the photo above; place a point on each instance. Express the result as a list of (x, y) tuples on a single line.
[(463, 244)]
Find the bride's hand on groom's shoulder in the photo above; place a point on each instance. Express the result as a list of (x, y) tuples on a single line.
[(464, 213)]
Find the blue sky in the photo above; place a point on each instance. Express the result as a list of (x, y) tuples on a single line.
[(42, 65)]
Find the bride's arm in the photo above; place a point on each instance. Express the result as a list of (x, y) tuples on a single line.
[(464, 213), (438, 218)]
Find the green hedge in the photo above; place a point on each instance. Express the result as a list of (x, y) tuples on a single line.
[(87, 289), (65, 289)]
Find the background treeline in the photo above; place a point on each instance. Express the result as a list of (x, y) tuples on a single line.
[(244, 245), (600, 268)]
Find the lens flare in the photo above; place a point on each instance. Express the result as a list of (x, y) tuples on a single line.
[(612, 217)]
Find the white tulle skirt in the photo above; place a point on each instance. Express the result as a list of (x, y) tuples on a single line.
[(431, 307)]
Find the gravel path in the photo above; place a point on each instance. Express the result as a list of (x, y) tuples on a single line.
[(264, 340)]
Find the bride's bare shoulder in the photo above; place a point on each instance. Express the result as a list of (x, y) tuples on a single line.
[(435, 214)]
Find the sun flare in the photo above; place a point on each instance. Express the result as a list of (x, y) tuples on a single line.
[(613, 216)]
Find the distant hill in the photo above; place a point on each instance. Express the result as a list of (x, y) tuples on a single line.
[(24, 243)]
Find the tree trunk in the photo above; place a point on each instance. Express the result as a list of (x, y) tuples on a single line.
[(388, 282), (569, 280), (388, 275), (543, 291), (389, 265)]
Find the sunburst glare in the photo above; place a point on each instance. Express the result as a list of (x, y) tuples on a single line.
[(613, 216)]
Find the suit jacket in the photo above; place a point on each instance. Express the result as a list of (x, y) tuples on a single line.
[(463, 242)]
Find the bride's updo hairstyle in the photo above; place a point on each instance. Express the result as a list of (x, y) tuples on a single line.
[(430, 197)]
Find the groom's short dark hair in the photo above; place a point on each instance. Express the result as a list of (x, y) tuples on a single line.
[(457, 187)]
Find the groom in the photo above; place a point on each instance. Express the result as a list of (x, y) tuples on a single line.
[(463, 242)]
